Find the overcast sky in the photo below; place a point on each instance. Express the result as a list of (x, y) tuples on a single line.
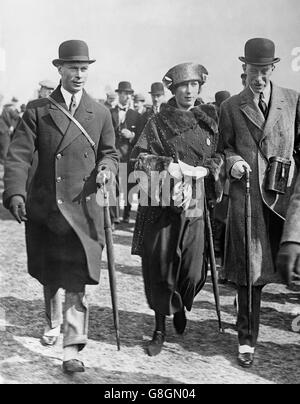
[(139, 40)]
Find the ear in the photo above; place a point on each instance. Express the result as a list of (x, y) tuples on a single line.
[(59, 69)]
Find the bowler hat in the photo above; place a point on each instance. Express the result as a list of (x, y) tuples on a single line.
[(259, 51), (125, 86), (157, 89), (73, 51), (47, 84), (139, 97), (184, 72), (221, 96)]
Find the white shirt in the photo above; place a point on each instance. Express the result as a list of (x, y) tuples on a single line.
[(68, 96), (266, 95), (122, 112)]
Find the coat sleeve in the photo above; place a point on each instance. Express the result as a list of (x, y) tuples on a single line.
[(297, 134), (291, 231), (19, 157), (227, 141), (107, 154)]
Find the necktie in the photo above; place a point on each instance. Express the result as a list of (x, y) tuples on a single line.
[(73, 105), (262, 105)]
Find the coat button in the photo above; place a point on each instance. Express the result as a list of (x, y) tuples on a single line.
[(58, 179), (208, 142), (86, 155), (60, 201), (86, 178), (59, 156), (88, 198)]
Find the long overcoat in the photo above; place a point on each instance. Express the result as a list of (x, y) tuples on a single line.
[(60, 194), (291, 231), (246, 135)]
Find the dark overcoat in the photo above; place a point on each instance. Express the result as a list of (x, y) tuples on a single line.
[(291, 233), (61, 194), (247, 136)]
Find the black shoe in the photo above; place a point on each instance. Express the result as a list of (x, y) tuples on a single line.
[(246, 360), (155, 346), (179, 321), (73, 366)]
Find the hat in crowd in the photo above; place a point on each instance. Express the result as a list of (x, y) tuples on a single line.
[(73, 51), (221, 96), (157, 89), (47, 84), (125, 86), (259, 51), (139, 97), (14, 99), (185, 72)]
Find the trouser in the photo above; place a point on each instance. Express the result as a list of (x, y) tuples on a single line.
[(74, 319), (242, 323)]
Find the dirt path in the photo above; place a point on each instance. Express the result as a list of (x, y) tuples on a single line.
[(202, 355)]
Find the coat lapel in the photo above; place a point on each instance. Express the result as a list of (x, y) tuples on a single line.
[(250, 109), (59, 118), (84, 114), (115, 117), (275, 110)]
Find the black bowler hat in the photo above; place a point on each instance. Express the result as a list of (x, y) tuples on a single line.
[(157, 89), (259, 51), (124, 86), (73, 51), (221, 96)]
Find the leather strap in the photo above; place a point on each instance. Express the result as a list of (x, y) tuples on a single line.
[(71, 117)]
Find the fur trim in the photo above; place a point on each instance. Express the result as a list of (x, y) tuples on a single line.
[(179, 121)]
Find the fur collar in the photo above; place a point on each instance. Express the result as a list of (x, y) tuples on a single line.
[(179, 121)]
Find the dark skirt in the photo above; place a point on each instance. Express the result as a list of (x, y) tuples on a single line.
[(173, 261), (56, 260)]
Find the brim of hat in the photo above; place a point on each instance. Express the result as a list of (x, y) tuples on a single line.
[(124, 91), (251, 62), (157, 93), (58, 62)]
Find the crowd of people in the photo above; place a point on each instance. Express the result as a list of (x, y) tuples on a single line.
[(67, 146)]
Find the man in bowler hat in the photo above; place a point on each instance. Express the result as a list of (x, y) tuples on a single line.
[(64, 225), (259, 129), (128, 125)]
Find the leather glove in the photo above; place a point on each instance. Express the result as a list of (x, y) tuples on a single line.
[(17, 208), (239, 169), (103, 176), (288, 261)]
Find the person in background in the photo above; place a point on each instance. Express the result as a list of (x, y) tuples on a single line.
[(111, 100), (139, 103), (46, 88)]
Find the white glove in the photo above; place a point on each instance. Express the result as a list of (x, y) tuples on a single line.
[(127, 134), (182, 195), (239, 169)]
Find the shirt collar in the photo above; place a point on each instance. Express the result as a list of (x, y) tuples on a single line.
[(68, 96), (266, 93), (123, 107)]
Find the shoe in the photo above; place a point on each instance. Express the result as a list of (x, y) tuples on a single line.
[(180, 321), (73, 366), (49, 341), (245, 360), (155, 346)]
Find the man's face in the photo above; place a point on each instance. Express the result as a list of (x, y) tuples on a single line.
[(138, 105), (73, 76), (45, 92), (157, 99), (258, 77), (124, 97), (112, 101), (187, 93)]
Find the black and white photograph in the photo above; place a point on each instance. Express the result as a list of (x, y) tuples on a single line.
[(150, 194)]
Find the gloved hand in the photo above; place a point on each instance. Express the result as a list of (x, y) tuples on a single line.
[(288, 261), (17, 208), (182, 195), (103, 175), (239, 169), (127, 134)]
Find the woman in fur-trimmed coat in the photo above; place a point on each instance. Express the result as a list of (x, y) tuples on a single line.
[(171, 239)]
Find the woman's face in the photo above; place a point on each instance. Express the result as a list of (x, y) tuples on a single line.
[(187, 93)]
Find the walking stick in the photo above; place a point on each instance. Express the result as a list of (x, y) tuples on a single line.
[(111, 262), (213, 265), (248, 249)]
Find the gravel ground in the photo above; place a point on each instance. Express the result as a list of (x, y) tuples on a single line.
[(202, 355)]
